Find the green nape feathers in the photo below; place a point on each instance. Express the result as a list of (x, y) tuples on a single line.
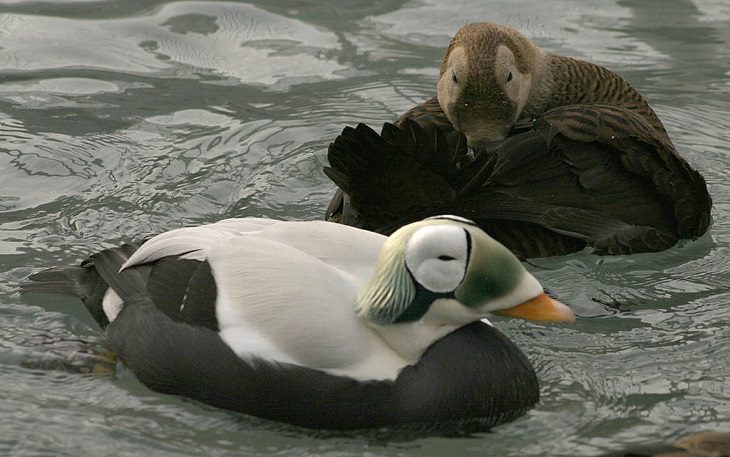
[(391, 289)]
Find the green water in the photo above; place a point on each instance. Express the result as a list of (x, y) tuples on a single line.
[(121, 119)]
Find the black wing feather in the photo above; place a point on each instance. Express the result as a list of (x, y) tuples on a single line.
[(579, 175)]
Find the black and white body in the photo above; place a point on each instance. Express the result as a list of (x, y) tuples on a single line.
[(319, 324)]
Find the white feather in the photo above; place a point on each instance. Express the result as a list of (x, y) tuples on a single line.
[(111, 304), (298, 296), (194, 242)]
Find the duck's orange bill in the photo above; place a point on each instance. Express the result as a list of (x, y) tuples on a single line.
[(540, 308)]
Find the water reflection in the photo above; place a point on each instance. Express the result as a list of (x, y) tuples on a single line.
[(189, 37), (686, 34)]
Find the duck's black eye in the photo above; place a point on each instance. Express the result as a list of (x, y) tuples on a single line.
[(509, 77), (453, 78), (446, 258)]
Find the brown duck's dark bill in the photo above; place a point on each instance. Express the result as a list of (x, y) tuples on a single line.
[(540, 308)]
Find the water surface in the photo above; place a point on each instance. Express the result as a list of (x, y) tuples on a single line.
[(120, 119)]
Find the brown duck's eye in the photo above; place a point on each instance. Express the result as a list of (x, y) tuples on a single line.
[(453, 78), (509, 77)]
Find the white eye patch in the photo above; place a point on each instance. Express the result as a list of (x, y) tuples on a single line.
[(437, 257), (517, 85)]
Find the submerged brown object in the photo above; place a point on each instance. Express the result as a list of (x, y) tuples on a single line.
[(566, 154), (703, 444)]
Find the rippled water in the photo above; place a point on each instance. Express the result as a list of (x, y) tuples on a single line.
[(120, 119)]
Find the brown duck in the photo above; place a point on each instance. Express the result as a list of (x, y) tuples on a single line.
[(547, 153)]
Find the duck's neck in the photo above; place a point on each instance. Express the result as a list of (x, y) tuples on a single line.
[(561, 81), (410, 340)]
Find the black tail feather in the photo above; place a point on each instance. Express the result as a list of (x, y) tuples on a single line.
[(126, 283), (84, 282), (61, 281)]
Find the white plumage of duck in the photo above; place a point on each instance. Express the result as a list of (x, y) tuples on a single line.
[(318, 324)]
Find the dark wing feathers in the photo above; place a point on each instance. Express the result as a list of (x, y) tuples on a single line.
[(82, 281), (385, 181), (198, 304), (577, 175), (508, 214), (645, 155), (127, 283), (182, 289)]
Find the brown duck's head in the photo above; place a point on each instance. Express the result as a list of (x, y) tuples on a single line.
[(485, 80)]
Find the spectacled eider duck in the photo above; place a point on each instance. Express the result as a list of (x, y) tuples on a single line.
[(319, 324), (567, 155)]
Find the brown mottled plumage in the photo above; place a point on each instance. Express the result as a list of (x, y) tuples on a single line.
[(578, 82), (484, 55), (567, 154)]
